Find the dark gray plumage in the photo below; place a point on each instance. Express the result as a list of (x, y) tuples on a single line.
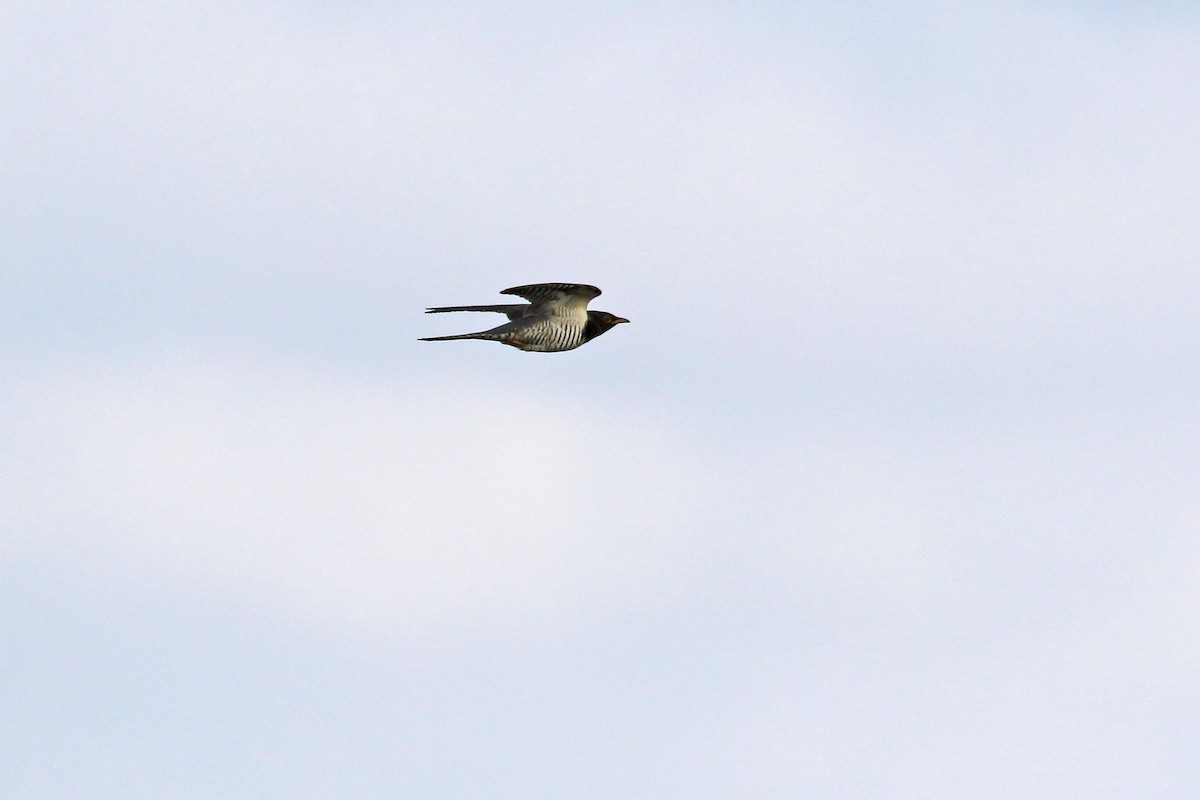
[(556, 318)]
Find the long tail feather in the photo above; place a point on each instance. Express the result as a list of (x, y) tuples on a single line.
[(452, 338), (503, 309)]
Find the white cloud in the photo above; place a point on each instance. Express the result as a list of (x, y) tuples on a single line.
[(365, 503), (378, 503)]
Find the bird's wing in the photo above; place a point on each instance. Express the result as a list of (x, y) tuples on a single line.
[(558, 299), (511, 311)]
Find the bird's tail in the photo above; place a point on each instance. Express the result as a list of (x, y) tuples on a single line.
[(452, 338), (503, 309)]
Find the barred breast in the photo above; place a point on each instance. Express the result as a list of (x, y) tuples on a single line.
[(552, 336)]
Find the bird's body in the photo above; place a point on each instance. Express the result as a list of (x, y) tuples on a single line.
[(555, 319)]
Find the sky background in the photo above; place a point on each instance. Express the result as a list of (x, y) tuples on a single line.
[(890, 490)]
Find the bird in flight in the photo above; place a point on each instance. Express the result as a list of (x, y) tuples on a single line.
[(556, 318)]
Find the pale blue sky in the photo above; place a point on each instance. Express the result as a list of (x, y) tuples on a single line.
[(891, 490)]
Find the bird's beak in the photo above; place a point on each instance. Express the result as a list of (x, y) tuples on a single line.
[(619, 320)]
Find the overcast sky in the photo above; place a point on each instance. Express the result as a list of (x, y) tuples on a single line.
[(890, 490)]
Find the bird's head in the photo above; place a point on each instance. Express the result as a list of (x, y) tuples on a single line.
[(600, 321), (608, 320)]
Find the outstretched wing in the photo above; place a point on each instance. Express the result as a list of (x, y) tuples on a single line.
[(557, 299), (512, 311)]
